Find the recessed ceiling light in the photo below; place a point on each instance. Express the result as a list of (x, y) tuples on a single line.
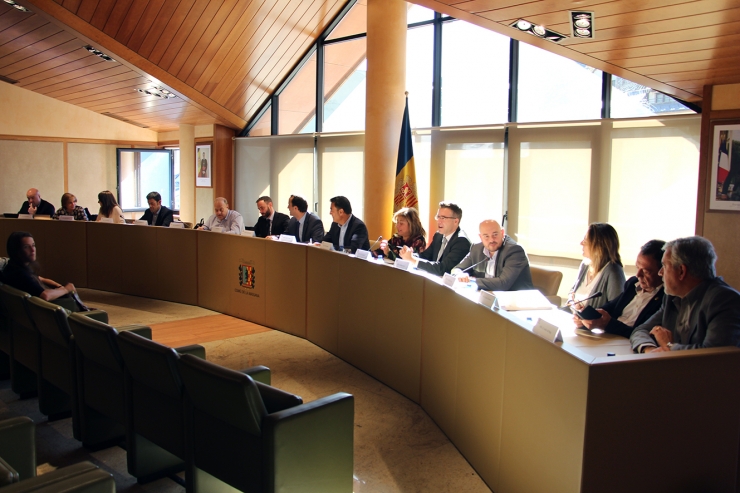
[(523, 25), (19, 7), (538, 30), (97, 52), (157, 91), (582, 24)]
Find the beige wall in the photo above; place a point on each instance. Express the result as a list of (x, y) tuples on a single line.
[(24, 165), (91, 169), (200, 131)]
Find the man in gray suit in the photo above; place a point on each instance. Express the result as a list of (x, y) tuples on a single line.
[(699, 310), (497, 263)]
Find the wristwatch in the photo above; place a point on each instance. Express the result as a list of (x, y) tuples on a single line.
[(669, 345)]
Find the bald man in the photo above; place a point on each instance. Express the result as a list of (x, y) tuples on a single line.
[(497, 263), (227, 220), (35, 205)]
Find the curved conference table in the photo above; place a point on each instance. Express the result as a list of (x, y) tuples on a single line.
[(529, 415)]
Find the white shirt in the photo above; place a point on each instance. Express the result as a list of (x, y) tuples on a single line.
[(491, 264), (342, 231), (300, 226), (638, 303)]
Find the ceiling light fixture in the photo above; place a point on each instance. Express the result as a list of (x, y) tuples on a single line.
[(97, 52), (582, 24), (538, 30), (19, 7), (159, 92)]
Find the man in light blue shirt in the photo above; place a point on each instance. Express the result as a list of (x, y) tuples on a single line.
[(224, 220)]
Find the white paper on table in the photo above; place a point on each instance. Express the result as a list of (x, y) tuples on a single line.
[(548, 331), (218, 229), (107, 220), (363, 254), (402, 264), (66, 218), (449, 280), (325, 245), (25, 216), (248, 233), (177, 224), (286, 238), (141, 222), (486, 298), (530, 299)]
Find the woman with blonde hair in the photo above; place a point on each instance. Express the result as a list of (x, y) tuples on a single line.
[(70, 208), (409, 232), (109, 208), (601, 269)]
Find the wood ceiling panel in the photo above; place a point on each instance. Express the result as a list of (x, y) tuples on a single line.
[(677, 77), (79, 75), (56, 64), (86, 9), (701, 65), (719, 55), (102, 12), (21, 28), (139, 102), (71, 5), (139, 18), (57, 40), (10, 18), (40, 58), (501, 12), (708, 44), (116, 17), (128, 79), (209, 16), (145, 37), (176, 31)]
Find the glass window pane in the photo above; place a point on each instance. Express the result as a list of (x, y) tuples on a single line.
[(142, 172), (344, 85), (419, 72), (263, 126), (554, 88), (355, 22), (342, 173), (653, 178), (422, 164), (417, 13), (555, 179), (475, 88), (298, 102), (631, 100)]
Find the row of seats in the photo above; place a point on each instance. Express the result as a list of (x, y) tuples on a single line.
[(173, 409)]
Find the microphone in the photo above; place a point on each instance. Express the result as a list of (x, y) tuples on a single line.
[(486, 259), (574, 302), (372, 247)]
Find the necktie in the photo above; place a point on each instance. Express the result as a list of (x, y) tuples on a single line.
[(441, 250), (269, 227), (300, 232)]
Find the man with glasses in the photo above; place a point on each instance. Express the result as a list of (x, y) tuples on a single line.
[(35, 205), (449, 246), (497, 263)]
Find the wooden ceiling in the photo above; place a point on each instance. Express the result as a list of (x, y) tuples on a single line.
[(223, 58)]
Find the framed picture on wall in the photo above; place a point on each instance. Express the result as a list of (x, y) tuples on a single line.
[(203, 165), (724, 193)]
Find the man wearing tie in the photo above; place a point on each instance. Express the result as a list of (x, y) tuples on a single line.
[(347, 231), (497, 263), (270, 223), (305, 226), (449, 246)]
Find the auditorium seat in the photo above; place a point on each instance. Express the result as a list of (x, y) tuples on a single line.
[(547, 282), (24, 342), (155, 437), (252, 437), (4, 343)]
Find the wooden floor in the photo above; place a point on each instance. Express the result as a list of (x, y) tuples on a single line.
[(203, 329)]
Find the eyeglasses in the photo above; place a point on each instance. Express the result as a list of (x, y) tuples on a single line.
[(438, 217)]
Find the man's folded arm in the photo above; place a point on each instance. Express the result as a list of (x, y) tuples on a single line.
[(641, 335)]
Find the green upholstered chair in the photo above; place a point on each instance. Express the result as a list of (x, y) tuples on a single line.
[(99, 368), (4, 343), (248, 436), (155, 436), (18, 466), (24, 342)]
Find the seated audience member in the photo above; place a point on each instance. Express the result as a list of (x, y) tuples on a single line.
[(109, 208), (35, 205), (20, 272), (601, 270), (506, 267), (409, 233), (641, 298), (229, 221), (70, 208), (449, 245), (157, 214), (270, 222), (305, 226), (347, 232), (700, 310)]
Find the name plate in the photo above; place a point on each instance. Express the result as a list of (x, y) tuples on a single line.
[(66, 218), (486, 298), (402, 264), (141, 222), (247, 233), (325, 245), (25, 216), (175, 224), (548, 331), (286, 238), (107, 220), (363, 254), (218, 229), (449, 280)]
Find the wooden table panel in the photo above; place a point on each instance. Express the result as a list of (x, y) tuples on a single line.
[(105, 256), (323, 295), (139, 272), (285, 288), (177, 275)]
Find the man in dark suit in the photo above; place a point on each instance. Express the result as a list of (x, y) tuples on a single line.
[(305, 226), (699, 310), (449, 245), (157, 214), (347, 231), (498, 263), (35, 205), (641, 298), (270, 223)]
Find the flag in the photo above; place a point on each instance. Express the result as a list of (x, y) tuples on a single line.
[(405, 193)]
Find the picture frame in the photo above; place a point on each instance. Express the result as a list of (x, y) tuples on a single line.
[(203, 166), (724, 161)]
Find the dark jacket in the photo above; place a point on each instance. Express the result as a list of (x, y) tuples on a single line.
[(313, 228), (355, 237), (44, 208), (457, 249), (164, 218), (616, 306), (279, 225), (512, 267)]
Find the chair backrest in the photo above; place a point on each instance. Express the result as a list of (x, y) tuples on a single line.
[(546, 281), (14, 302), (151, 364), (96, 341), (50, 320)]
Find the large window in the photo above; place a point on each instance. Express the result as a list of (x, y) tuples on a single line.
[(630, 99), (297, 108), (141, 171), (344, 87), (419, 64)]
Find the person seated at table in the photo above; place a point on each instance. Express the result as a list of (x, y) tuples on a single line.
[(70, 208), (700, 310), (270, 222), (449, 245), (20, 272), (409, 233), (35, 205), (157, 214), (109, 208), (601, 270), (347, 232), (229, 221), (641, 297), (306, 226), (498, 263)]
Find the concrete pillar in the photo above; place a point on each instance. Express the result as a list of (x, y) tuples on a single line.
[(187, 173), (386, 81)]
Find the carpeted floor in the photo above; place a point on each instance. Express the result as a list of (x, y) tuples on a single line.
[(398, 448)]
